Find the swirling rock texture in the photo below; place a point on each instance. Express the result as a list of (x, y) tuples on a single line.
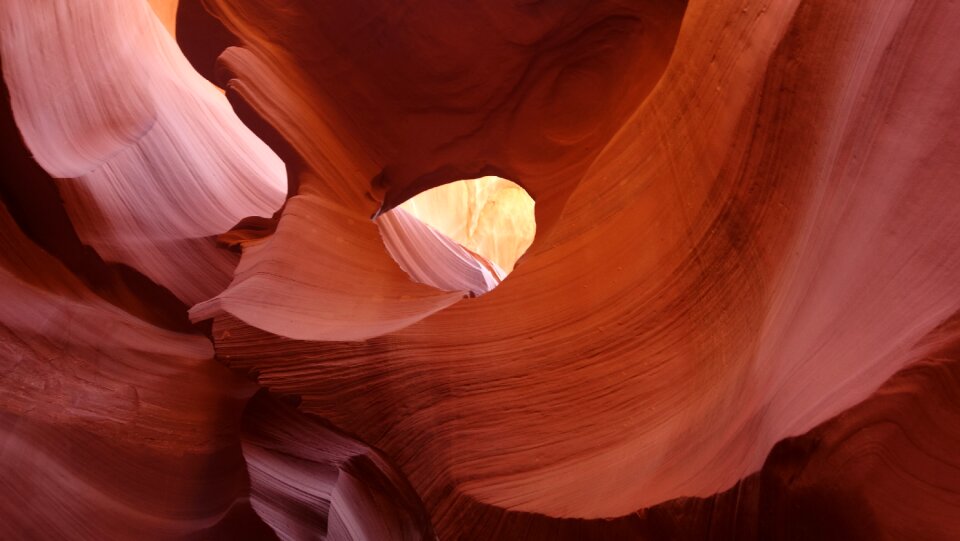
[(739, 318)]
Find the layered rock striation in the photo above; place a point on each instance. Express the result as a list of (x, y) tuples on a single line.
[(737, 319)]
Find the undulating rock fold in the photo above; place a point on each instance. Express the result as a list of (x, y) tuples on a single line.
[(324, 275), (898, 441), (429, 257), (246, 298), (110, 427), (310, 481), (155, 162), (33, 201), (752, 284), (418, 98)]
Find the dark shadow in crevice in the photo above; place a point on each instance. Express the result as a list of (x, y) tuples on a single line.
[(202, 37)]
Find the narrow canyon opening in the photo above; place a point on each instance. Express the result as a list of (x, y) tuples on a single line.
[(466, 235)]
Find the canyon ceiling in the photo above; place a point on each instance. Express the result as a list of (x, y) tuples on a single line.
[(237, 302)]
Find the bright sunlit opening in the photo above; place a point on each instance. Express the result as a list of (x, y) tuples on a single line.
[(477, 230)]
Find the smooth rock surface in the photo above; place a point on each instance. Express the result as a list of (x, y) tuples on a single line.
[(738, 318)]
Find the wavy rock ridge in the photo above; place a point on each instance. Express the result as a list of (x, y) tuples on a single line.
[(737, 320)]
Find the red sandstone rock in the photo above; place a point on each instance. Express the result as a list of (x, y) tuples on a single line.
[(109, 427), (714, 283), (746, 224), (309, 481)]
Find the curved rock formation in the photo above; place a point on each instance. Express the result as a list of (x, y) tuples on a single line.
[(103, 415), (429, 257), (309, 481), (738, 319), (139, 134), (744, 284)]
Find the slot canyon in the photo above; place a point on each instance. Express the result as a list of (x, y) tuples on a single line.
[(533, 270)]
